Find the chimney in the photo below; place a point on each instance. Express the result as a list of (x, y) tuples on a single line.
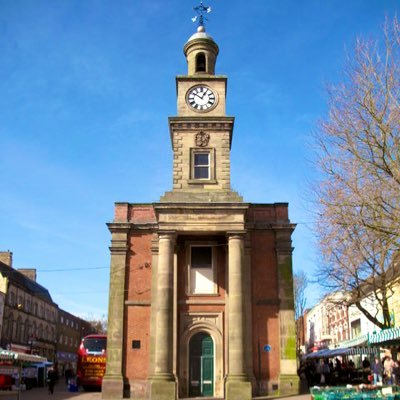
[(29, 273), (6, 257)]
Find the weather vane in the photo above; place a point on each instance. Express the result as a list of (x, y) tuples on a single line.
[(201, 10)]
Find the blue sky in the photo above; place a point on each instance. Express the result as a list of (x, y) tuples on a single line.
[(87, 87)]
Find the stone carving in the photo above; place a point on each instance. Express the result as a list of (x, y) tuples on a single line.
[(193, 318), (202, 139)]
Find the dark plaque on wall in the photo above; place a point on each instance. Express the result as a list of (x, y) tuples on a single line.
[(135, 344)]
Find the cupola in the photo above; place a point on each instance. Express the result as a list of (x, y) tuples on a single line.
[(201, 53)]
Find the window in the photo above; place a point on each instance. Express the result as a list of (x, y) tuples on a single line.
[(201, 165), (201, 257), (356, 328), (200, 62), (12, 298), (201, 272)]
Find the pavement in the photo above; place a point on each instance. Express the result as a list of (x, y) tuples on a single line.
[(61, 393)]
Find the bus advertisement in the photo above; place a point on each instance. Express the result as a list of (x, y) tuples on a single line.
[(91, 361)]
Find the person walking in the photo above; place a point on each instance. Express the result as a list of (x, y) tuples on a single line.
[(388, 369), (51, 379), (377, 371)]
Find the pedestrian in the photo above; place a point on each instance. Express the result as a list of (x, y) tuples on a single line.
[(366, 364), (396, 373), (69, 373), (388, 366), (377, 371), (51, 379)]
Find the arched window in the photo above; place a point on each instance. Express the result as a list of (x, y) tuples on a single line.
[(10, 326), (200, 62), (34, 330), (46, 333), (17, 332)]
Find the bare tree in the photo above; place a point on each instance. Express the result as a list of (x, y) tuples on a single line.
[(300, 283), (99, 324), (358, 221)]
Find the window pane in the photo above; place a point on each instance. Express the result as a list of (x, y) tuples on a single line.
[(201, 159), (201, 173), (201, 257)]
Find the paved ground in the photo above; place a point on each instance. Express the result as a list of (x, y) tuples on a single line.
[(61, 393)]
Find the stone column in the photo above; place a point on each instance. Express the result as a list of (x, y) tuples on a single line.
[(238, 386), (162, 381), (113, 381), (289, 380), (248, 313)]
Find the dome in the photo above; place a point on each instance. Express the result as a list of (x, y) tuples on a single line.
[(201, 53), (200, 34)]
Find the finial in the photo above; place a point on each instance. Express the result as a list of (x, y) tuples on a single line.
[(201, 10)]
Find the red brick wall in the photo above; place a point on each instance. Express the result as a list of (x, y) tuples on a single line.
[(264, 287), (138, 286), (265, 304)]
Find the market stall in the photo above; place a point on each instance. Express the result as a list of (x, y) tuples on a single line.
[(11, 368), (361, 392)]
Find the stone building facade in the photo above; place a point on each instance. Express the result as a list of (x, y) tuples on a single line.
[(31, 322), (30, 315), (201, 291), (71, 329)]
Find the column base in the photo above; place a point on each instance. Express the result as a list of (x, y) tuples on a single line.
[(238, 389), (162, 389), (289, 385), (112, 387)]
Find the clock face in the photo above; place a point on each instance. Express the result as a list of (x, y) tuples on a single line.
[(201, 98)]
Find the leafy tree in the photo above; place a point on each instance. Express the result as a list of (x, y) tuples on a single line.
[(358, 198)]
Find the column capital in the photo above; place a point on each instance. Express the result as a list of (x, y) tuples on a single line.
[(235, 234), (166, 235)]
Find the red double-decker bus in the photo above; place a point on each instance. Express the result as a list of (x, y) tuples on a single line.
[(91, 361)]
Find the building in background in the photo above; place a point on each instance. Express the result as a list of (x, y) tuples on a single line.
[(71, 330), (30, 315), (327, 322), (30, 320)]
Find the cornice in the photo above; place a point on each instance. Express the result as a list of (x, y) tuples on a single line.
[(201, 206), (121, 227), (201, 77), (201, 122)]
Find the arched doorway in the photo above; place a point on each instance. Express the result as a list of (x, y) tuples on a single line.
[(201, 365)]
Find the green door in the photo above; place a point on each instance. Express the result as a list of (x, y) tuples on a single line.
[(201, 365)]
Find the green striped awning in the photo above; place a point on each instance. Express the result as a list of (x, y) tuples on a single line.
[(358, 341), (7, 355), (364, 350), (385, 335)]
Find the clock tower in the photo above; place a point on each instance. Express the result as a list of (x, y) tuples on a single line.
[(201, 290), (201, 133)]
